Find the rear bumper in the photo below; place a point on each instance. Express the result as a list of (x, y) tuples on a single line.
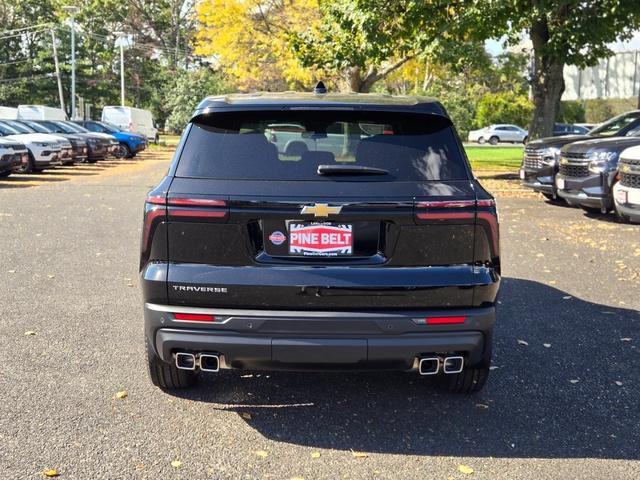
[(631, 210), (139, 147), (542, 180), (10, 162), (301, 340), (592, 191)]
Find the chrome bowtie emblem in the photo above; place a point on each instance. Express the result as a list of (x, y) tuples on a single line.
[(320, 210)]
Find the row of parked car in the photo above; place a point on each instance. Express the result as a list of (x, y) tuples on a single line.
[(32, 145), (598, 171), (494, 134)]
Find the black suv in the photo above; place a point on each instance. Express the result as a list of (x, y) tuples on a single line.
[(541, 159), (356, 237)]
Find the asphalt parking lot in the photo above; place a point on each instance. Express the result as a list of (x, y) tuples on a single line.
[(563, 400)]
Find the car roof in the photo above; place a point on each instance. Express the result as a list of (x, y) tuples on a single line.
[(312, 101)]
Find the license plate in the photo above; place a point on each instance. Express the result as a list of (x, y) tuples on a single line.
[(521, 174), (560, 183), (621, 196), (320, 239), (633, 196)]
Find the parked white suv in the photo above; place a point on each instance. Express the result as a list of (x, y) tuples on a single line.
[(13, 155), (495, 134), (44, 150), (626, 191)]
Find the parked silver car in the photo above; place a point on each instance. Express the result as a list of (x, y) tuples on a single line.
[(495, 134)]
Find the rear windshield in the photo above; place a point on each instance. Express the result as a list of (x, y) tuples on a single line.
[(297, 145)]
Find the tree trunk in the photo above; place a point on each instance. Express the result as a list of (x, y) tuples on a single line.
[(353, 79), (547, 83)]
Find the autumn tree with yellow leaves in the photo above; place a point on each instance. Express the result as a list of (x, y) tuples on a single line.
[(250, 40)]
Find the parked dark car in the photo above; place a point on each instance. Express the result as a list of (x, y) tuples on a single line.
[(98, 146), (79, 147), (541, 158), (384, 256), (130, 144), (113, 144), (589, 169), (560, 129)]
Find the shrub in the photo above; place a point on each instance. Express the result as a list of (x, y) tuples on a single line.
[(504, 107), (571, 112)]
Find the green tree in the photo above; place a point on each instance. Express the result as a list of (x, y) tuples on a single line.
[(188, 90), (364, 41), (562, 32)]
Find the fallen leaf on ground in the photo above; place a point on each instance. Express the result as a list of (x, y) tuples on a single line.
[(262, 454), (296, 478), (30, 333), (315, 454), (176, 464), (246, 415), (11, 271), (523, 342), (359, 454), (51, 473), (51, 276), (465, 469), (122, 394)]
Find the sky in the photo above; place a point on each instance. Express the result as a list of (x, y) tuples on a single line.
[(494, 47)]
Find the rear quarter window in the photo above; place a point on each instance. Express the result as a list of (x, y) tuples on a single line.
[(291, 145)]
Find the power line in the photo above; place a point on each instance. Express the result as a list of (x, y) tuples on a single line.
[(42, 25), (42, 75), (22, 34), (3, 64)]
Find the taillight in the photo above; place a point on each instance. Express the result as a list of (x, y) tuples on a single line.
[(155, 212), (197, 208), (441, 320), (445, 210), (487, 218), (193, 317)]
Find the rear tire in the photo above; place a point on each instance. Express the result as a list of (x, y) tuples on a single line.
[(166, 375), (481, 140), (494, 140), (122, 151), (525, 140), (470, 380)]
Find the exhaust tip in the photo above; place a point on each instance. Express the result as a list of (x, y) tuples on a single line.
[(429, 366), (185, 361), (209, 362), (453, 364)]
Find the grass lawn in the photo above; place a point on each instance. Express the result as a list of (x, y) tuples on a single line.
[(494, 158)]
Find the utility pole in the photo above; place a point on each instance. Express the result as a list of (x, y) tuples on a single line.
[(55, 61), (121, 42), (72, 10)]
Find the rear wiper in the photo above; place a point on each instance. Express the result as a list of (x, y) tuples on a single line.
[(350, 170)]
